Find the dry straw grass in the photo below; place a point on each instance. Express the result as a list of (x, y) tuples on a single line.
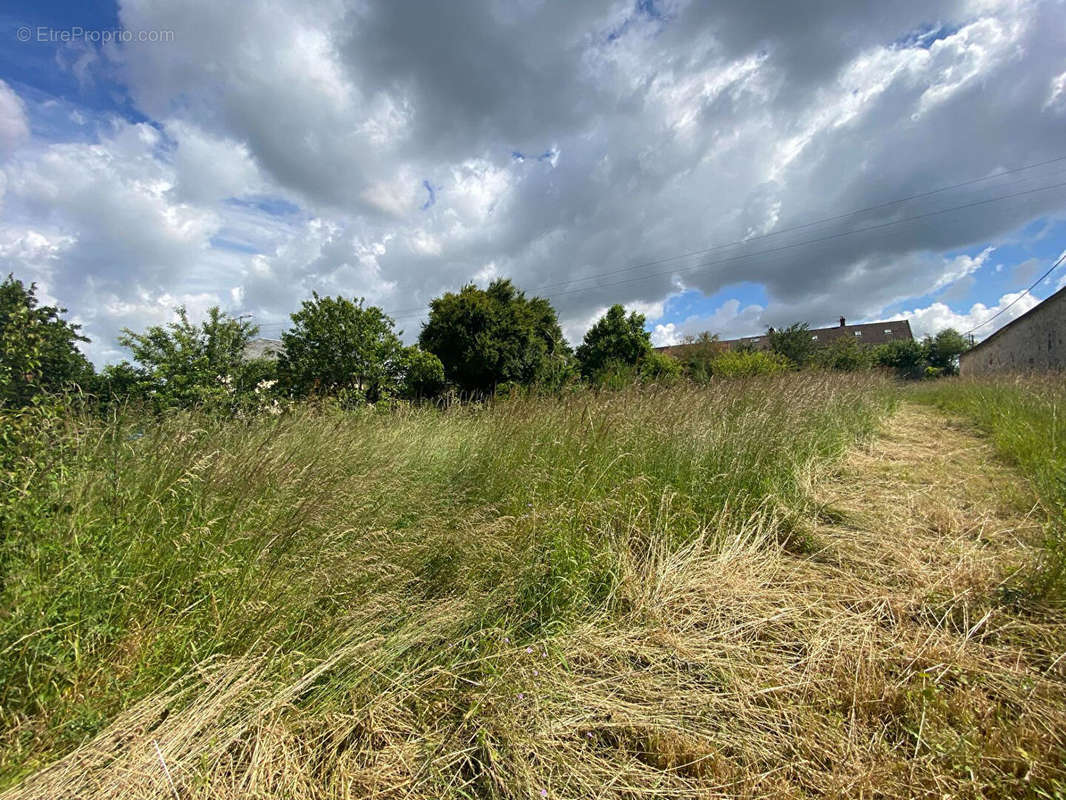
[(873, 651)]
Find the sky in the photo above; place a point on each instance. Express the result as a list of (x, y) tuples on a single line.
[(715, 166)]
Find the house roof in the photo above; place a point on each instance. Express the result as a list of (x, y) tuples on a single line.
[(869, 333)]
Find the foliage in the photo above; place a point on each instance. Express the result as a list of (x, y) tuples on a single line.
[(659, 367), (697, 355), (614, 339), (339, 346), (39, 352), (423, 374), (181, 364), (943, 350), (485, 337), (844, 354), (932, 357), (794, 343), (906, 357), (748, 363)]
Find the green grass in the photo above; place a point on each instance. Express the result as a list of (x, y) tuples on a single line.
[(1023, 417), (441, 536)]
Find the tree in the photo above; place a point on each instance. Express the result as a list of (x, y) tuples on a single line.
[(38, 351), (487, 337), (905, 356), (182, 364), (339, 346), (794, 343), (615, 339), (423, 374), (944, 349)]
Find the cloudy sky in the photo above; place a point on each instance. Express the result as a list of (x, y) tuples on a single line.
[(718, 166)]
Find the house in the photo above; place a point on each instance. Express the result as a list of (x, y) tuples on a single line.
[(1035, 341), (867, 333)]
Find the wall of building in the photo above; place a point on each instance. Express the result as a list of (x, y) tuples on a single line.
[(1036, 341)]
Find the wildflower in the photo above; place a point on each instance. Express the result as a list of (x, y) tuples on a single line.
[(543, 792), (529, 649), (535, 673), (521, 696)]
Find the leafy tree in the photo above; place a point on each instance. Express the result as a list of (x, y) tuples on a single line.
[(659, 367), (906, 357), (487, 337), (423, 374), (614, 339), (944, 349), (794, 343), (38, 351), (339, 346), (182, 364)]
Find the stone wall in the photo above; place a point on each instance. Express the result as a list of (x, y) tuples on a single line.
[(1036, 341)]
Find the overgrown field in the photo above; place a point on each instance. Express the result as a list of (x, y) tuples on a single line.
[(559, 596)]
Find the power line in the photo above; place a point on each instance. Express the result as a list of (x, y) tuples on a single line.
[(408, 313), (1019, 297), (791, 229), (790, 246)]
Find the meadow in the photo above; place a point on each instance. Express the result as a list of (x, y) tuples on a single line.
[(487, 600)]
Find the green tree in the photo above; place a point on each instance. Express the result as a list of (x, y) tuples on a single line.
[(944, 349), (182, 364), (337, 346), (488, 337), (906, 356), (38, 348), (423, 374), (616, 340), (794, 343)]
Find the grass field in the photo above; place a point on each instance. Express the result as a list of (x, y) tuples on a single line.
[(541, 596)]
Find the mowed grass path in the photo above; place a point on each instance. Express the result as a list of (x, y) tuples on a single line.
[(768, 588)]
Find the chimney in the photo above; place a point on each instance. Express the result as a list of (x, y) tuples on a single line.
[(841, 322)]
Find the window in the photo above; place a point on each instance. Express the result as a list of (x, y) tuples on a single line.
[(755, 339), (815, 337), (888, 331), (858, 333)]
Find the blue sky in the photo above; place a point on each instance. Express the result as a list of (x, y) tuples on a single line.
[(245, 155)]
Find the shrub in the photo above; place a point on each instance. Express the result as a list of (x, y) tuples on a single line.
[(844, 354), (794, 343), (748, 363)]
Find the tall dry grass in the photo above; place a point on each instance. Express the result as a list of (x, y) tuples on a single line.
[(328, 602)]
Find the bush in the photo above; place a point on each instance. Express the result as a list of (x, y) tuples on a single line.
[(748, 363), (844, 354)]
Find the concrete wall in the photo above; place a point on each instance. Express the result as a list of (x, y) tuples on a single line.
[(1034, 341)]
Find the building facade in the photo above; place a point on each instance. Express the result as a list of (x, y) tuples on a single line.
[(1034, 342)]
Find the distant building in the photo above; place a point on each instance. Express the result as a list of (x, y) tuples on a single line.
[(867, 333), (263, 348), (1035, 341)]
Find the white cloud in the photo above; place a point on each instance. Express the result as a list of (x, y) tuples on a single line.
[(936, 317), (640, 136)]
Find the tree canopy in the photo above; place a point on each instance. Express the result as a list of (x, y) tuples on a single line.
[(615, 339), (337, 345), (794, 343), (38, 348), (183, 364), (488, 337)]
